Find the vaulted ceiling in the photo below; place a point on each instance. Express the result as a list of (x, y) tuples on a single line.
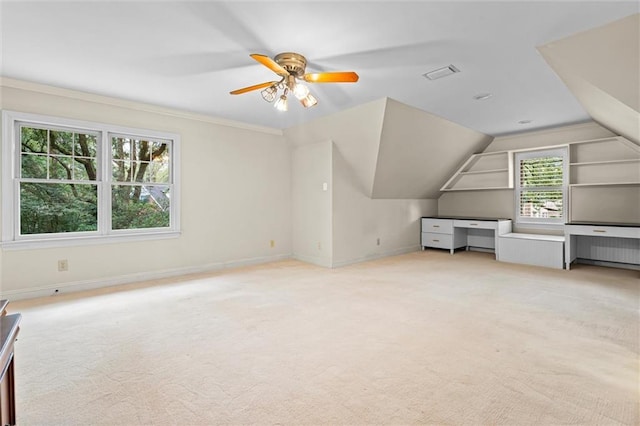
[(189, 55), (601, 67)]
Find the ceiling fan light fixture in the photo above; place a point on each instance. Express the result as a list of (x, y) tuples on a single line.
[(300, 91), (281, 104), (308, 101), (291, 68), (269, 94)]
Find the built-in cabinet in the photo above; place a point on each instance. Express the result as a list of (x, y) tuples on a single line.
[(438, 233), (603, 186), (532, 249), (454, 233), (616, 243)]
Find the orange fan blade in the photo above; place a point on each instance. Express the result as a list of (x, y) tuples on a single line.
[(254, 87), (270, 63), (331, 77)]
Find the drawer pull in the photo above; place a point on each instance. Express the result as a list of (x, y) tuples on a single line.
[(602, 231), (473, 224), (436, 226), (436, 241)]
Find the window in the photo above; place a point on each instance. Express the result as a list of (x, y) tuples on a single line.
[(540, 186), (66, 180), (140, 190)]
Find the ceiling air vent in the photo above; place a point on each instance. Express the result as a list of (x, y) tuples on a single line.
[(441, 72)]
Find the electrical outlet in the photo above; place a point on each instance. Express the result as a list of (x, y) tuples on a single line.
[(272, 243), (63, 265)]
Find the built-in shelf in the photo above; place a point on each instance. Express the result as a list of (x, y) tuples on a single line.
[(605, 184), (477, 172), (603, 150), (484, 171), (590, 163), (606, 170), (612, 161), (606, 161), (477, 189)]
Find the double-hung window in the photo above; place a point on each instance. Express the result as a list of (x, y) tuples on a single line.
[(66, 181), (140, 183), (541, 186)]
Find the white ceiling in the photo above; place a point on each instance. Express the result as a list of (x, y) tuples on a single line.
[(189, 55)]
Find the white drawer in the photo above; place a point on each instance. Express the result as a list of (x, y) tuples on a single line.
[(430, 239), (481, 224), (604, 231), (439, 226)]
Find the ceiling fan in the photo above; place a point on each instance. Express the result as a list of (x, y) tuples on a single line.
[(291, 68)]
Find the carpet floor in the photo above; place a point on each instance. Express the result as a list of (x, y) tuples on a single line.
[(422, 338)]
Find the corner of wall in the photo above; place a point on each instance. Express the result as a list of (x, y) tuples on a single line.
[(383, 117)]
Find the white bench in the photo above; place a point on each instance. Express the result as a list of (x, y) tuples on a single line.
[(532, 249)]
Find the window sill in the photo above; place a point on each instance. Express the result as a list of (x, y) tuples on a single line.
[(86, 241)]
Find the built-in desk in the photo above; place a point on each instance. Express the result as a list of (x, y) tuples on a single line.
[(617, 243), (455, 232)]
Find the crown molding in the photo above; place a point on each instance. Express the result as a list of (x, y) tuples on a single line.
[(133, 105)]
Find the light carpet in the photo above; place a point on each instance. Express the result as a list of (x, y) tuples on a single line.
[(423, 338)]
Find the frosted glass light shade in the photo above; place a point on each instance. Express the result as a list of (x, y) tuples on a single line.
[(308, 101), (300, 91), (281, 104)]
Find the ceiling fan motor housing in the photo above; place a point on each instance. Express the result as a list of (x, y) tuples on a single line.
[(294, 63)]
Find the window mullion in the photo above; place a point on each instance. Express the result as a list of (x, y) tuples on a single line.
[(105, 184), (16, 155), (16, 208)]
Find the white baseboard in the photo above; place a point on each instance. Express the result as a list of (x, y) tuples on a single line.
[(315, 260), (53, 289), (394, 252), (632, 266)]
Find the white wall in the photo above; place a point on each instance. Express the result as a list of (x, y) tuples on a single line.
[(312, 214), (495, 203), (418, 150), (356, 131), (236, 197), (358, 220)]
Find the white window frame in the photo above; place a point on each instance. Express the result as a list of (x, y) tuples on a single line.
[(11, 238), (533, 222)]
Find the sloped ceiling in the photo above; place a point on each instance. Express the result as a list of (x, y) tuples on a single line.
[(601, 67), (392, 150), (418, 152)]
